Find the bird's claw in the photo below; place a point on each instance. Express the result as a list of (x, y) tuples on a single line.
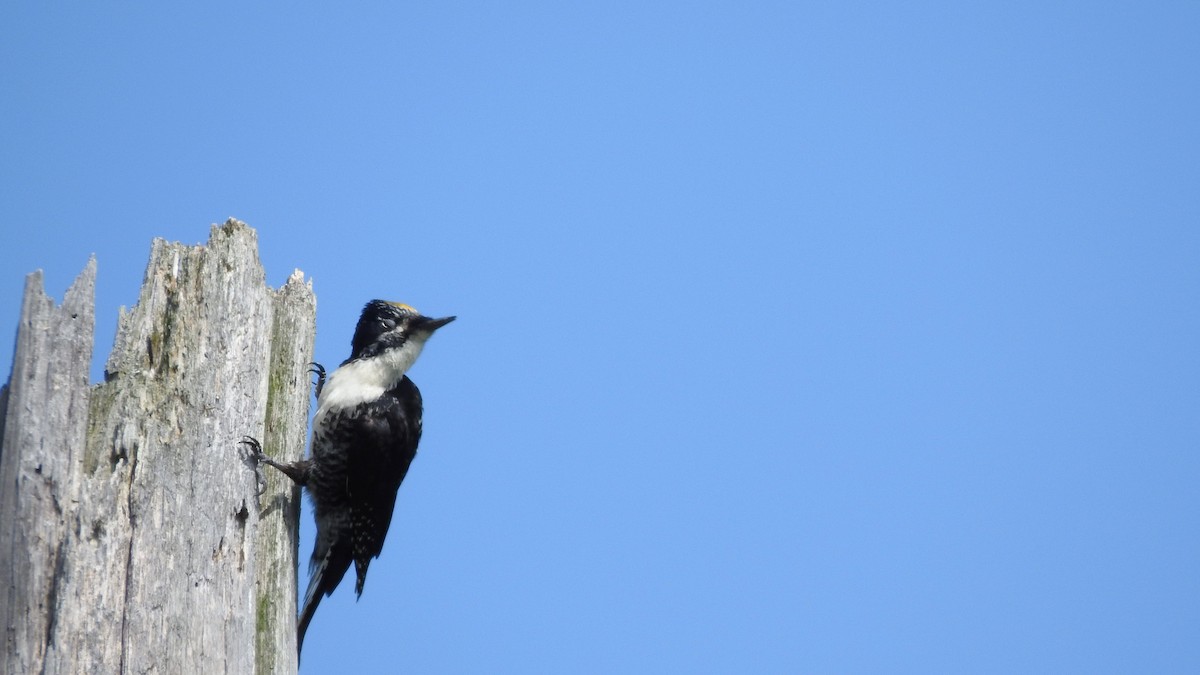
[(255, 457), (318, 370)]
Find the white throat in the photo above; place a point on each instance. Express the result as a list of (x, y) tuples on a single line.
[(367, 379)]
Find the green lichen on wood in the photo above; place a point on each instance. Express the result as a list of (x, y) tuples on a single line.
[(96, 444), (264, 653)]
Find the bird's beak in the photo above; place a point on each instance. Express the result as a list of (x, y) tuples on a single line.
[(434, 324)]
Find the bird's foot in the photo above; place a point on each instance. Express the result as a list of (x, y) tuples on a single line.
[(318, 370), (297, 471), (256, 458)]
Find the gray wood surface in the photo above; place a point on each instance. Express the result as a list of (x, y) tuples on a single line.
[(131, 535)]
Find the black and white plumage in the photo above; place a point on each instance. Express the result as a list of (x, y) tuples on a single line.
[(365, 435)]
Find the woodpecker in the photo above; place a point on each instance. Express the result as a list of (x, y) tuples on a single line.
[(365, 435)]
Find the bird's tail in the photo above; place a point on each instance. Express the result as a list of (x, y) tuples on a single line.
[(312, 598)]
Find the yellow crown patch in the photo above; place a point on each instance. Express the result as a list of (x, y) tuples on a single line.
[(407, 308)]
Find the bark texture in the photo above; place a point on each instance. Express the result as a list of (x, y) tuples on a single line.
[(131, 535)]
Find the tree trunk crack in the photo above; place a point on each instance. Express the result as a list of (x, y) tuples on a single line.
[(132, 459), (52, 600)]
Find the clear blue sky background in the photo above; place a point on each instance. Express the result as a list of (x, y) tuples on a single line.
[(793, 337)]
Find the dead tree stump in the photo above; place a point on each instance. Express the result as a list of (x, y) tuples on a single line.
[(131, 535)]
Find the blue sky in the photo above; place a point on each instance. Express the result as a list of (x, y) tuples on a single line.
[(793, 337)]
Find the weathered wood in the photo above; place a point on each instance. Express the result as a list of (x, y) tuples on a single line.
[(293, 329), (44, 427), (131, 535)]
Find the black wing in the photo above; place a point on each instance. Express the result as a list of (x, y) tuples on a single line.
[(389, 433), (362, 458)]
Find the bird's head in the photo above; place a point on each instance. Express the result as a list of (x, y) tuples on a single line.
[(386, 326)]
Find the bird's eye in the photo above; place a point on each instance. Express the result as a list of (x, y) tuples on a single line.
[(387, 324)]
